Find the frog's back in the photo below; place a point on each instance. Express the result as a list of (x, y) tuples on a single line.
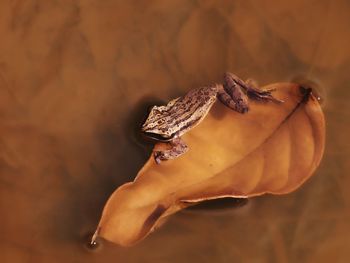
[(180, 114)]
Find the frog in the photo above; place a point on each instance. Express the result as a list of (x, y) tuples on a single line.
[(167, 123)]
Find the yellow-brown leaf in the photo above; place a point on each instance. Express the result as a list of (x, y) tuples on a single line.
[(272, 149)]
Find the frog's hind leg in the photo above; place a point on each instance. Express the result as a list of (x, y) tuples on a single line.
[(236, 101), (178, 147), (232, 82)]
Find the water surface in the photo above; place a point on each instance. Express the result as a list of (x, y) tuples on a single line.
[(76, 78)]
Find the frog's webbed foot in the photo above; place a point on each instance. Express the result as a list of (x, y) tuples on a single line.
[(253, 92), (178, 147)]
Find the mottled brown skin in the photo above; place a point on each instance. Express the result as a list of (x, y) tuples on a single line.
[(180, 114), (170, 122)]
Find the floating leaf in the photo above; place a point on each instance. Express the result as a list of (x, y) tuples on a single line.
[(273, 148)]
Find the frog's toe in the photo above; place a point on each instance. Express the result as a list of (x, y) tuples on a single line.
[(262, 95)]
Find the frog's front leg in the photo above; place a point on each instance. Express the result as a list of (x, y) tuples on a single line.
[(178, 147)]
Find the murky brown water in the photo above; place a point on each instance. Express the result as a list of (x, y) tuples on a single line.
[(75, 80)]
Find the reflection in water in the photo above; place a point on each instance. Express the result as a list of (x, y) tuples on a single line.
[(72, 81)]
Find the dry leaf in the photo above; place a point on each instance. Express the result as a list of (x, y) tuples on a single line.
[(272, 149)]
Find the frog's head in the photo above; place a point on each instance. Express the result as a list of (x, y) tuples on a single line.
[(156, 125), (151, 129)]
